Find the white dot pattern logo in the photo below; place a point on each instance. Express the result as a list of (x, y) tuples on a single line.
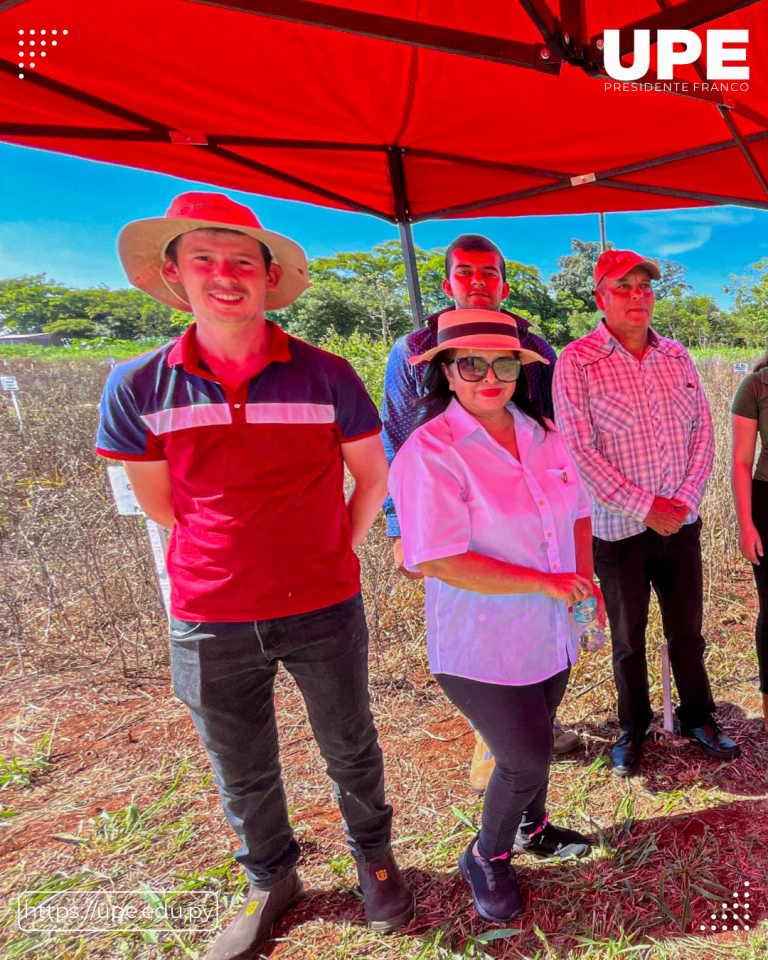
[(26, 56), (739, 912)]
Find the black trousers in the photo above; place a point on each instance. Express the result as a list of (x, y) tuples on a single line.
[(516, 723), (225, 674), (760, 520), (672, 566)]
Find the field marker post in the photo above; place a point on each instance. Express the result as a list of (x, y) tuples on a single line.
[(11, 385), (666, 688), (128, 506)]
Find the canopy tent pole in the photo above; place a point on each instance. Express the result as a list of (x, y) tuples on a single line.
[(404, 221), (411, 274), (602, 232)]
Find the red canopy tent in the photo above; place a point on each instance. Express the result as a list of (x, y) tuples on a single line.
[(403, 109)]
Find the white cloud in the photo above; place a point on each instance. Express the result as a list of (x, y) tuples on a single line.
[(678, 231)]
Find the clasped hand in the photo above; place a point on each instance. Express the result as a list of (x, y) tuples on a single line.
[(666, 515)]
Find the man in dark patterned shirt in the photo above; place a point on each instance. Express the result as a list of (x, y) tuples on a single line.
[(475, 278)]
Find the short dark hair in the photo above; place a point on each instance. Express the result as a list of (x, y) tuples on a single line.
[(172, 250), (472, 242)]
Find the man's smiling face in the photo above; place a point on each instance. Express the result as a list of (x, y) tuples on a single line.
[(475, 281), (223, 274)]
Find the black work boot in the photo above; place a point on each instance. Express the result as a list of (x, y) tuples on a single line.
[(388, 901), (252, 927), (494, 887), (551, 841)]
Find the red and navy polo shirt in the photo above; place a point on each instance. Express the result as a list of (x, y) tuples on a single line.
[(261, 526)]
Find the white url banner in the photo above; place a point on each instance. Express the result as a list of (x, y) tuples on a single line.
[(117, 911)]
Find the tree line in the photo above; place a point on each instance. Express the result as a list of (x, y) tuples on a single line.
[(365, 292)]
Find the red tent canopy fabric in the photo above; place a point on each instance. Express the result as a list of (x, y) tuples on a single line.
[(404, 109)]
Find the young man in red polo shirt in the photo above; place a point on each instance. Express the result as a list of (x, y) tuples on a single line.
[(235, 437)]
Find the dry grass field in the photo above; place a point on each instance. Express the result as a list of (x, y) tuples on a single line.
[(103, 784)]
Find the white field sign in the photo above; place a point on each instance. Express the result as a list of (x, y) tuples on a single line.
[(11, 385), (128, 506)]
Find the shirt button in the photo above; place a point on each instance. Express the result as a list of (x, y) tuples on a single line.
[(236, 406), (549, 534), (541, 503), (554, 566)]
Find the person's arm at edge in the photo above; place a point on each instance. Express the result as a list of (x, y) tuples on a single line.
[(151, 484), (742, 460), (367, 462)]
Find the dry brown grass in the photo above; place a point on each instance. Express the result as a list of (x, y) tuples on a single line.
[(120, 792)]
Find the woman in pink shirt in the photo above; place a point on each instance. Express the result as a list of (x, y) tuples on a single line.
[(493, 512)]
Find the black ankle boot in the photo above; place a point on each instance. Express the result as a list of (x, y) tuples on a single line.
[(388, 901)]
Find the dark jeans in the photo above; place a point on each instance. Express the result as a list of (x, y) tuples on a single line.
[(225, 673), (516, 723), (672, 566), (760, 520)]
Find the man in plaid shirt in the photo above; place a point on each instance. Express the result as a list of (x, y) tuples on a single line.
[(631, 406)]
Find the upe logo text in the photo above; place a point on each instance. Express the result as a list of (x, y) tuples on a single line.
[(669, 57)]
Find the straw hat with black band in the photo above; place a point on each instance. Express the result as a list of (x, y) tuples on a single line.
[(142, 247), (477, 330)]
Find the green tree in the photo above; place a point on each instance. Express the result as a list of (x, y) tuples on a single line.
[(694, 320), (750, 306), (27, 303), (77, 328)]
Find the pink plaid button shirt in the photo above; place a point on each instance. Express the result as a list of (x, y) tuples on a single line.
[(637, 429)]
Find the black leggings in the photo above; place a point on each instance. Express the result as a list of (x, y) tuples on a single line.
[(516, 723), (760, 520)]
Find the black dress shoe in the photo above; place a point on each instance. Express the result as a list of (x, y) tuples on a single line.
[(552, 841), (713, 742), (627, 752)]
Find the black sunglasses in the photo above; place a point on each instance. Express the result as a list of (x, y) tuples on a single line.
[(474, 369)]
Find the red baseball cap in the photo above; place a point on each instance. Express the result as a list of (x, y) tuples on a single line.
[(615, 264)]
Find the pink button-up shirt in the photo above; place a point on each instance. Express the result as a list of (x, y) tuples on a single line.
[(638, 429), (456, 489)]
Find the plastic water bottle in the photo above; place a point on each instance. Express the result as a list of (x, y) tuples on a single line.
[(585, 614)]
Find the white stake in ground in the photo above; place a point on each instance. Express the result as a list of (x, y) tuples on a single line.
[(128, 506), (666, 689), (11, 385)]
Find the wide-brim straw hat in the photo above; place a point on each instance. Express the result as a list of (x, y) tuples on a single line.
[(477, 330), (142, 245)]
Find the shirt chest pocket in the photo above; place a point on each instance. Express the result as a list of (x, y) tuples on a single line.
[(562, 481), (611, 412), (683, 403)]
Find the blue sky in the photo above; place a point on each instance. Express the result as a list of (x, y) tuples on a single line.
[(61, 216)]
